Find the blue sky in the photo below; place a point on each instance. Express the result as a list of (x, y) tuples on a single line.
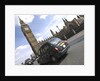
[(40, 26)]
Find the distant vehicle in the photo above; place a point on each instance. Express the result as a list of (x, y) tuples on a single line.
[(52, 50)]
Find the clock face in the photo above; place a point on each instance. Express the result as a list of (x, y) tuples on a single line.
[(26, 29)]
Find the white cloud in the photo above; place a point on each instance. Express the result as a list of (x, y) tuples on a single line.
[(38, 34), (21, 53), (26, 18), (22, 47), (43, 16), (40, 38)]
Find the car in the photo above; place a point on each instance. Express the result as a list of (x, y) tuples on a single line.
[(52, 50)]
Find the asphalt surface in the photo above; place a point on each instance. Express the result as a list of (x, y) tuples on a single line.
[(75, 55)]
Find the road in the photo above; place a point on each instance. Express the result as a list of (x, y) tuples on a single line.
[(75, 54)]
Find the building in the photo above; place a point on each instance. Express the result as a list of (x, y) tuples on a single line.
[(52, 32), (29, 36), (70, 28)]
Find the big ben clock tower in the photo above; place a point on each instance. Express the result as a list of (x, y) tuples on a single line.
[(29, 36)]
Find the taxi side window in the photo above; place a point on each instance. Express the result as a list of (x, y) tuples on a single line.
[(44, 50)]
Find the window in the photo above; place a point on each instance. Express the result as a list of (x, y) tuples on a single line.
[(42, 51), (30, 35), (54, 40), (31, 39), (26, 29)]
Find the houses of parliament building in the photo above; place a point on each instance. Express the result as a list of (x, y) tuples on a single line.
[(70, 28)]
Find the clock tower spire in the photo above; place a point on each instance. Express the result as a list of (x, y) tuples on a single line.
[(29, 36)]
